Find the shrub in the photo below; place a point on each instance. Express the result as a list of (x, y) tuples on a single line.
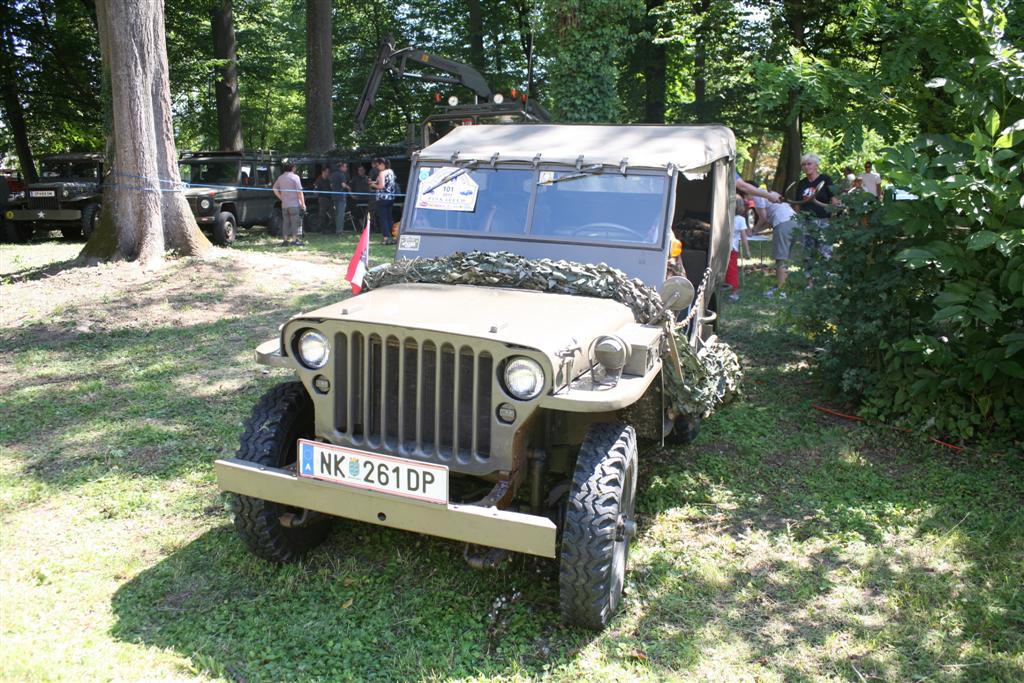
[(921, 310)]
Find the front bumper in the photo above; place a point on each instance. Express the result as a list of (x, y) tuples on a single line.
[(44, 215), (485, 526)]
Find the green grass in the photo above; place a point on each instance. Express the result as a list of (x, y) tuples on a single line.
[(783, 545)]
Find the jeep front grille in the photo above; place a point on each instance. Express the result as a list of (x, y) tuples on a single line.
[(420, 398), (43, 202)]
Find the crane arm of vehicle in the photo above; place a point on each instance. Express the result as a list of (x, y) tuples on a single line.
[(397, 61)]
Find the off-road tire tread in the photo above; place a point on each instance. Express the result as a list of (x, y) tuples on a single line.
[(220, 236), (588, 534), (268, 438)]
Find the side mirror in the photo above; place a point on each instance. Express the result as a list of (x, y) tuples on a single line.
[(676, 293)]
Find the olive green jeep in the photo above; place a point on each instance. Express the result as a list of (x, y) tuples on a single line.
[(492, 384), (66, 197)]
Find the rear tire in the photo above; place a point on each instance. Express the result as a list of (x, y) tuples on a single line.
[(685, 430), (599, 523), (281, 417), (224, 229), (276, 221), (74, 233)]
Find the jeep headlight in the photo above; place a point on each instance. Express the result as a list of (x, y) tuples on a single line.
[(313, 349), (204, 204), (524, 378)]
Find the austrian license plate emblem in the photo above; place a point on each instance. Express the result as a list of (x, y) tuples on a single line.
[(383, 473)]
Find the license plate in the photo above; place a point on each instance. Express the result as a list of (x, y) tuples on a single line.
[(42, 193), (383, 473)]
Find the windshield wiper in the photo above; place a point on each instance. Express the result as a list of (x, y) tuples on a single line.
[(596, 169), (453, 175)]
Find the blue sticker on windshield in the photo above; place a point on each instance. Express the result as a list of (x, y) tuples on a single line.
[(424, 173)]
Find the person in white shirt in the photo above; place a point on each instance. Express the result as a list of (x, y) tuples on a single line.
[(871, 181), (288, 189), (732, 272), (782, 220)]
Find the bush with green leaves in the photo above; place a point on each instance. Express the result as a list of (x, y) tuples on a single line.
[(920, 312)]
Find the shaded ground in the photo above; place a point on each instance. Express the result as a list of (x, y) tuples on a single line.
[(783, 545)]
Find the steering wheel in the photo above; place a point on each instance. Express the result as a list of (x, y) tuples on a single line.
[(608, 228)]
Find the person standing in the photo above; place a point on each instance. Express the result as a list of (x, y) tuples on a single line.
[(739, 227), (386, 187), (361, 190), (339, 185), (814, 197), (288, 189), (322, 185), (782, 220), (871, 181)]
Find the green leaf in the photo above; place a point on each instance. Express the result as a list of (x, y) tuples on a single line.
[(992, 122), (981, 240)]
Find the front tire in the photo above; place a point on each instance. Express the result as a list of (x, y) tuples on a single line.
[(90, 218), (224, 229), (18, 232), (276, 222), (599, 523), (283, 416)]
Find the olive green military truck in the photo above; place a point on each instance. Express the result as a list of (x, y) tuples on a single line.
[(66, 197), (491, 384)]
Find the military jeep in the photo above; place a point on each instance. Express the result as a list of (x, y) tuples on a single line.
[(227, 190), (489, 397), (66, 198)]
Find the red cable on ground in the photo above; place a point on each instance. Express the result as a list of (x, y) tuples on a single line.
[(856, 418)]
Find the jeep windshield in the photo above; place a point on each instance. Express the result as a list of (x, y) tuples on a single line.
[(593, 204), (69, 169), (210, 172)]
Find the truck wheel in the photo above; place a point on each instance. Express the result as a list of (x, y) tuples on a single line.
[(685, 429), (90, 219), (18, 232), (283, 415), (599, 523), (224, 229), (276, 221)]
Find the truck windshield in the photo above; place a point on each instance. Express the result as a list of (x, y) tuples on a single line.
[(574, 206), (69, 169), (211, 173)]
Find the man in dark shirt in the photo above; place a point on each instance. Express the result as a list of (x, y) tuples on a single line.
[(361, 188), (324, 201), (339, 184)]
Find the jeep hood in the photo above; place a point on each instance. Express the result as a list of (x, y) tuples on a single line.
[(538, 320)]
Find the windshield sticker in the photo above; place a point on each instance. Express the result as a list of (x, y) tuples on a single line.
[(448, 189), (409, 243), (546, 177)]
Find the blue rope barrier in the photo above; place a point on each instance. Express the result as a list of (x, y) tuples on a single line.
[(246, 188)]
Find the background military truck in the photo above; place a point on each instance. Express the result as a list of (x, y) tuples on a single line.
[(495, 397), (66, 198), (228, 190)]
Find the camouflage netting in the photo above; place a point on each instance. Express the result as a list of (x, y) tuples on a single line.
[(712, 376), (505, 269)]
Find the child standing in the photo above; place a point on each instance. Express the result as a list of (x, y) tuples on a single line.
[(739, 228)]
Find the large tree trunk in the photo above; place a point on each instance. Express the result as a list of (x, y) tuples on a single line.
[(700, 58), (788, 170), (476, 36), (229, 105), (654, 58), (144, 212), (14, 116), (319, 77)]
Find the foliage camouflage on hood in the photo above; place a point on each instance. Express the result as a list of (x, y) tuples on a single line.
[(712, 375)]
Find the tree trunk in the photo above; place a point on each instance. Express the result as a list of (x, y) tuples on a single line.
[(319, 77), (229, 105), (14, 116), (144, 212), (788, 170), (654, 71), (700, 59), (476, 36)]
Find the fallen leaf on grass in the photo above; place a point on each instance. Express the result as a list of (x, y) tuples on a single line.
[(638, 655), (348, 603)]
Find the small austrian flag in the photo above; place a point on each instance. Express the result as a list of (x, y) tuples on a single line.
[(360, 262)]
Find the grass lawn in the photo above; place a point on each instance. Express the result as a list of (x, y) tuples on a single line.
[(784, 544)]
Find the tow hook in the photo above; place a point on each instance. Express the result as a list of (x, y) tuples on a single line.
[(483, 557), (290, 520)]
